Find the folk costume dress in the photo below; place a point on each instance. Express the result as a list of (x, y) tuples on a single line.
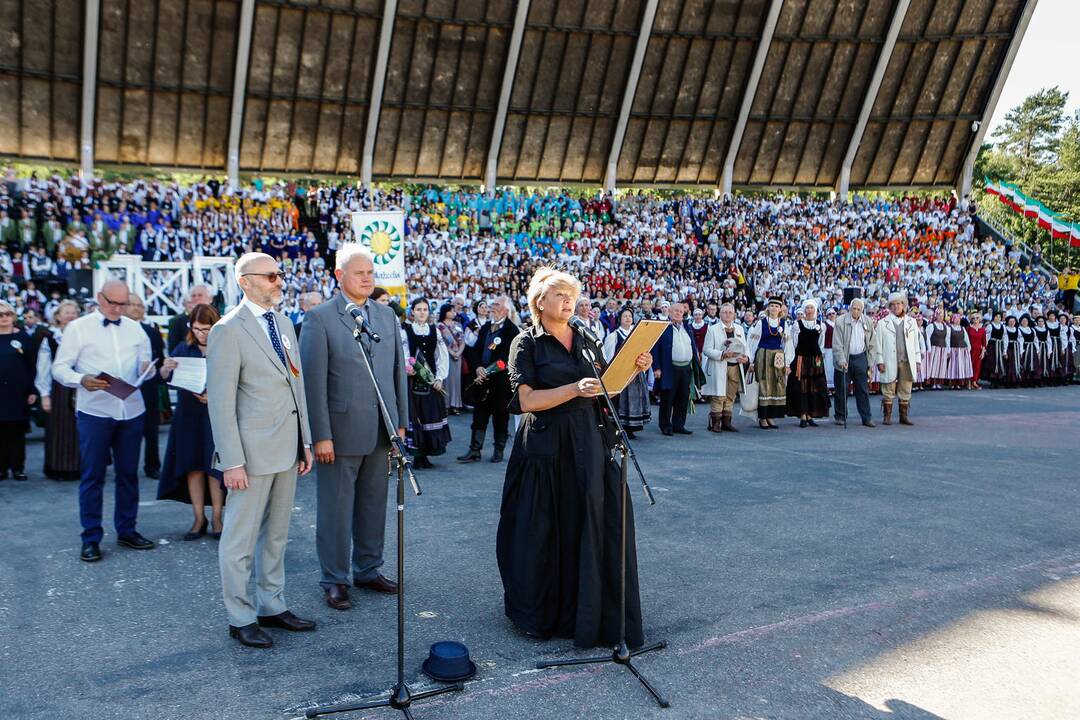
[(1058, 340), (1030, 372), (632, 403), (429, 426), (959, 370), (937, 357), (1012, 355), (993, 362), (767, 338), (558, 539), (1045, 360), (61, 433), (807, 392)]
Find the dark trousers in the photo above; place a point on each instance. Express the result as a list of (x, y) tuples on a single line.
[(499, 414), (98, 439), (856, 374), (151, 425), (675, 400), (12, 445)]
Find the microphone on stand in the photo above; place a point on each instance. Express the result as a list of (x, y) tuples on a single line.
[(583, 329), (358, 318)]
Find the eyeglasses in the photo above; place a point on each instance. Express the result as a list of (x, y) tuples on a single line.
[(114, 303), (201, 330), (270, 277)]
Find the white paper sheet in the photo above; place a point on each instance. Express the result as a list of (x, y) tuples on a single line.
[(189, 374)]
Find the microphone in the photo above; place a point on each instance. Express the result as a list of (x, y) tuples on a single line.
[(358, 318), (583, 329)]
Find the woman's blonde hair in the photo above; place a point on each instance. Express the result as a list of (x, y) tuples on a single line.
[(548, 278)]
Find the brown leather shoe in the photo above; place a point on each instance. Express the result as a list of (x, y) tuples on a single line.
[(337, 597), (379, 584)]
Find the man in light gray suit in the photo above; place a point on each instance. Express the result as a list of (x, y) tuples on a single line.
[(853, 336), (351, 444), (258, 414)]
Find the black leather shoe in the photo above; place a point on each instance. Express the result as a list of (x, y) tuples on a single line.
[(135, 541), (811, 422), (91, 552), (668, 433), (471, 456), (337, 597), (19, 475), (497, 455), (683, 431), (153, 474), (803, 423), (251, 636), (286, 621)]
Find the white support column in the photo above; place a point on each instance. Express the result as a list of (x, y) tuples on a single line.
[(236, 117), (748, 96), (89, 87), (844, 180), (509, 70), (386, 33), (628, 94), (963, 185)]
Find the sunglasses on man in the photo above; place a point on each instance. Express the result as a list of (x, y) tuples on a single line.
[(270, 276)]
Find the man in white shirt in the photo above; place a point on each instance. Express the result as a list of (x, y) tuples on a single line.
[(672, 357), (106, 342)]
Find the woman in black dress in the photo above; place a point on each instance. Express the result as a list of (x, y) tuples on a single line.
[(187, 471), (558, 539), (807, 389), (17, 394), (429, 426), (58, 402)]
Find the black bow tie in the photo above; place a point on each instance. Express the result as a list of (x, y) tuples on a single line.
[(105, 322)]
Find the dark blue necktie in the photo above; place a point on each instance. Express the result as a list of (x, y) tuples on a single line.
[(106, 322), (274, 339)]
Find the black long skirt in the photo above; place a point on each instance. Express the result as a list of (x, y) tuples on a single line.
[(559, 531), (429, 425), (807, 388), (61, 436)]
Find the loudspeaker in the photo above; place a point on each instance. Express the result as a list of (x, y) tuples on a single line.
[(850, 293)]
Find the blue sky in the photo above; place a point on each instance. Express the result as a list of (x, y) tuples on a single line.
[(1049, 55)]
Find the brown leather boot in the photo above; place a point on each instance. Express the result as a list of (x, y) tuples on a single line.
[(886, 411), (725, 422), (904, 405), (714, 422)]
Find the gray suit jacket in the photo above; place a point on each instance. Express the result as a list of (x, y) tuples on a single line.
[(342, 400), (258, 410), (841, 339)]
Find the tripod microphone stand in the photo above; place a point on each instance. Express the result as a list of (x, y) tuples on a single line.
[(621, 654), (400, 696)]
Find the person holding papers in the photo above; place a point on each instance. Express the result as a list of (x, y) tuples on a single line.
[(187, 473), (104, 356)]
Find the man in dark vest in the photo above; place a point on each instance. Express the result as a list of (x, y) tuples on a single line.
[(490, 393)]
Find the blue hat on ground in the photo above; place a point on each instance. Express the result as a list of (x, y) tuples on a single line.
[(448, 661)]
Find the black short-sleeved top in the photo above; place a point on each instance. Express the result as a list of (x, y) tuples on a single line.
[(539, 360)]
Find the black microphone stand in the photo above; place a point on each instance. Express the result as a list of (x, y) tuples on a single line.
[(621, 654), (400, 696)]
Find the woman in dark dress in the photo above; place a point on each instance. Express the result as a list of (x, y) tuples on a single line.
[(632, 404), (559, 529), (807, 390), (17, 394), (187, 471), (58, 402), (429, 426)]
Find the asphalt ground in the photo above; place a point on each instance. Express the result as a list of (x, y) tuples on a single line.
[(895, 572)]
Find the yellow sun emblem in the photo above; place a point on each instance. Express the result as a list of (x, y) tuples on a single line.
[(381, 242)]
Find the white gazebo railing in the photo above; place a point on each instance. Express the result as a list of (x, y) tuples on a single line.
[(163, 285)]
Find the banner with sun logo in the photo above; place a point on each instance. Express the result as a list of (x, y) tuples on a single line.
[(383, 233)]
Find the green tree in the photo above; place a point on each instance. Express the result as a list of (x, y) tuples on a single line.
[(1031, 131)]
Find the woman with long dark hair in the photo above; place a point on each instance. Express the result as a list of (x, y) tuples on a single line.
[(187, 473)]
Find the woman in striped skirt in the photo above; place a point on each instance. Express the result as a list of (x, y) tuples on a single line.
[(58, 401), (959, 370), (937, 357), (767, 338)]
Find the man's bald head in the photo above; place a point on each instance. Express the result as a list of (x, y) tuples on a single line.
[(113, 299)]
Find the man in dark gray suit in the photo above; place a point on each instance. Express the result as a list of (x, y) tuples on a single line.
[(258, 414), (350, 442)]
